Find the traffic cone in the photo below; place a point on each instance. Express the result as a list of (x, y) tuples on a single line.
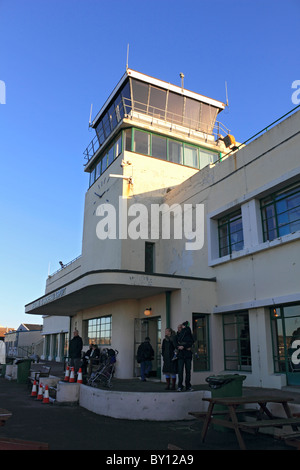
[(67, 374), (40, 394), (72, 375), (79, 377), (46, 395), (34, 391)]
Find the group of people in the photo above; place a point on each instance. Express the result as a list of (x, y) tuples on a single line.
[(177, 357), (77, 359), (176, 353)]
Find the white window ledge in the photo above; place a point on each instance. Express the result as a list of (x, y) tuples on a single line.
[(256, 249)]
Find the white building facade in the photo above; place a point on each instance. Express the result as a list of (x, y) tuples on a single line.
[(230, 263), (56, 338)]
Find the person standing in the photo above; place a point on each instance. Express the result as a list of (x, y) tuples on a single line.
[(145, 354), (75, 348), (185, 341), (167, 352)]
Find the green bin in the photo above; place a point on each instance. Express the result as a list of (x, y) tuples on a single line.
[(23, 370), (228, 385), (3, 370)]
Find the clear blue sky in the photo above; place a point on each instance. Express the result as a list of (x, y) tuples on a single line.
[(59, 56)]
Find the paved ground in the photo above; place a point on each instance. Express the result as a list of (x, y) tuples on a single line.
[(74, 428)]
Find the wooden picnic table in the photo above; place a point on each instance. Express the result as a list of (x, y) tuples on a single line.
[(4, 416), (232, 407)]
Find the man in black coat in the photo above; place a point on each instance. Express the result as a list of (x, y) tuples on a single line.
[(75, 348), (145, 354), (185, 341)]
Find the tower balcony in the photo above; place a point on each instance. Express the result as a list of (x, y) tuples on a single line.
[(168, 109)]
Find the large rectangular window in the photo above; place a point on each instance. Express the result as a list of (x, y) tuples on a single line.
[(141, 142), (237, 353), (281, 213), (175, 108), (285, 329), (140, 92), (99, 331), (191, 156), (128, 139), (159, 147), (157, 102), (230, 231), (175, 151), (206, 158), (191, 113), (201, 345)]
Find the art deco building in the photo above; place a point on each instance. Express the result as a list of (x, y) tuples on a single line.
[(230, 266)]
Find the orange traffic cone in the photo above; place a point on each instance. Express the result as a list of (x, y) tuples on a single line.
[(72, 375), (34, 391), (79, 377), (40, 394), (67, 374), (46, 395)]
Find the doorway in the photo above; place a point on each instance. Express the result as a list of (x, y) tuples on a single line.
[(285, 322), (148, 327)]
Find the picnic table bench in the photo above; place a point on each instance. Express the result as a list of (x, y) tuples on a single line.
[(232, 407)]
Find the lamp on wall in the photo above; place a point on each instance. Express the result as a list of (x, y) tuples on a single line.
[(147, 311)]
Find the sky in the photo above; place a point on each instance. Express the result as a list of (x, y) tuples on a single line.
[(57, 57)]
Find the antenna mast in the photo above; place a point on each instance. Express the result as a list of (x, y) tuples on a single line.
[(90, 120), (226, 94), (182, 80), (127, 57)]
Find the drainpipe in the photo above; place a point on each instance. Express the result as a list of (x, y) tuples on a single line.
[(168, 309)]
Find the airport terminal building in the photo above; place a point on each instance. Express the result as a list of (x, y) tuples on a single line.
[(183, 223)]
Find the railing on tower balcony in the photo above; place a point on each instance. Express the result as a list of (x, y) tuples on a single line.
[(161, 116)]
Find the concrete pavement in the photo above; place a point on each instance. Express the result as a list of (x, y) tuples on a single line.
[(65, 427)]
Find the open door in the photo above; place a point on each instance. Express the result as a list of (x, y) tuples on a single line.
[(148, 327)]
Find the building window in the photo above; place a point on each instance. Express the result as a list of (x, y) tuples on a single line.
[(141, 142), (175, 151), (237, 354), (191, 156), (159, 147), (99, 331), (281, 213), (201, 346), (285, 329), (230, 232), (106, 159), (149, 257)]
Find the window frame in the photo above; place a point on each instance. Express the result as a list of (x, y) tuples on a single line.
[(238, 357), (197, 354), (99, 328), (273, 200), (228, 220)]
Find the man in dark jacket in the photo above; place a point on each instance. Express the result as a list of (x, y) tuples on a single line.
[(185, 341), (145, 354), (75, 348)]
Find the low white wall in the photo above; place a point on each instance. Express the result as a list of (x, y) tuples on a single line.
[(67, 392), (167, 406)]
